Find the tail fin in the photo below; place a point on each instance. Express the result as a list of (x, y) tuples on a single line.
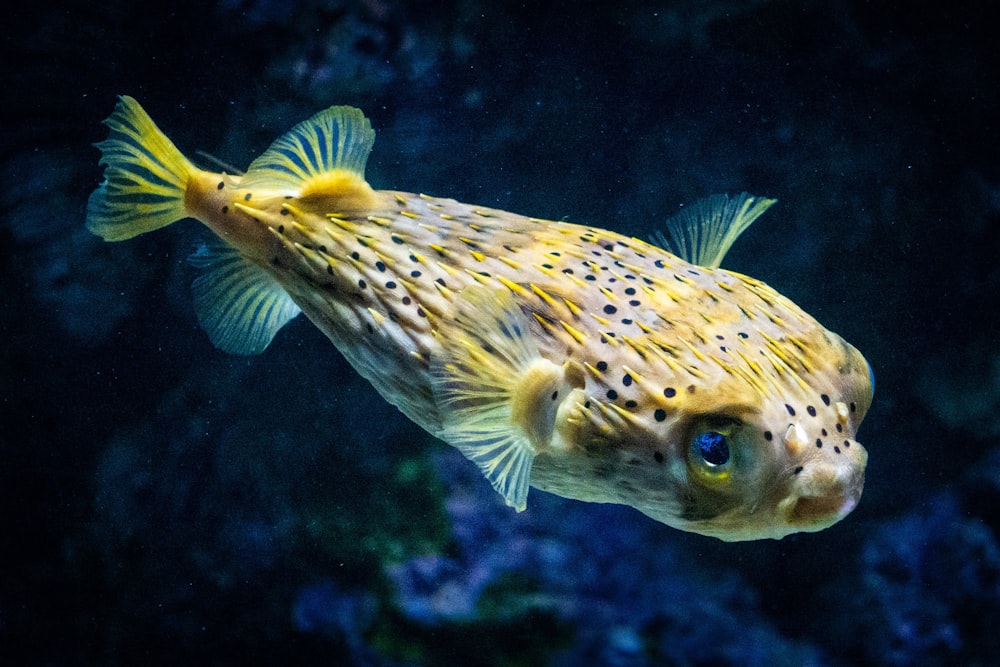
[(145, 180)]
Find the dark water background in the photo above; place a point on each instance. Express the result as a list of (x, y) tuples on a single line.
[(164, 503)]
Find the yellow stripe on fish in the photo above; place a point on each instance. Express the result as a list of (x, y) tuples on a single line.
[(554, 355)]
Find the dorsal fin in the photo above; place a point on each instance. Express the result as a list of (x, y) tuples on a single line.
[(703, 233), (338, 139)]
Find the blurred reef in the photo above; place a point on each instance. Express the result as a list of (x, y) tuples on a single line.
[(167, 503)]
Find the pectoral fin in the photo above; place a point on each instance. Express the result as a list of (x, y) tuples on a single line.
[(703, 232), (497, 395)]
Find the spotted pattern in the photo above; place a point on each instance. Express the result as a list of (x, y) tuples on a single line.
[(654, 336)]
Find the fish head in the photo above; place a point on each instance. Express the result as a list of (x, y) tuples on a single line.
[(748, 465), (753, 448)]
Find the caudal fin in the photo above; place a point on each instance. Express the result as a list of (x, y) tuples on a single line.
[(145, 180)]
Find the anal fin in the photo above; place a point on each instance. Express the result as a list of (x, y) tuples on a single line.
[(239, 305)]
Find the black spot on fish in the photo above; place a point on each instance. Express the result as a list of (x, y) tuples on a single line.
[(836, 449), (768, 436), (612, 394), (220, 185), (397, 240), (854, 406), (819, 443), (627, 380), (547, 266), (790, 409), (797, 470), (225, 209), (602, 365), (247, 197), (811, 410), (825, 399), (421, 313), (633, 303), (329, 267), (630, 291), (407, 301), (847, 443), (631, 404), (355, 256), (744, 336), (839, 428), (669, 392), (391, 284), (362, 284), (660, 414), (555, 395), (658, 456), (281, 229), (570, 271), (823, 433), (285, 211), (590, 276), (691, 389), (380, 266), (415, 274), (610, 310), (658, 264)]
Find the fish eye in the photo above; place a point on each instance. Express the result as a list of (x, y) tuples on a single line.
[(712, 447)]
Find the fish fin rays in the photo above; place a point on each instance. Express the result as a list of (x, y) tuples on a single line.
[(238, 304), (326, 152), (145, 180), (493, 389), (704, 232)]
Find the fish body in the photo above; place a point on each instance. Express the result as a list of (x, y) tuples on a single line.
[(571, 358)]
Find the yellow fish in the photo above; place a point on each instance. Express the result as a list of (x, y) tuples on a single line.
[(565, 357)]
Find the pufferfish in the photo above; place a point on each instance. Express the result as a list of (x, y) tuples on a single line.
[(561, 356)]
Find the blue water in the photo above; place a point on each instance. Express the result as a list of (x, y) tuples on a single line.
[(167, 503)]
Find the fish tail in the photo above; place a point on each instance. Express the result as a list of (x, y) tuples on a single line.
[(145, 181)]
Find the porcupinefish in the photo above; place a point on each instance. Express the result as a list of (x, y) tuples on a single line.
[(566, 357)]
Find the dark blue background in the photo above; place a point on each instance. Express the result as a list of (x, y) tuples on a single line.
[(166, 503)]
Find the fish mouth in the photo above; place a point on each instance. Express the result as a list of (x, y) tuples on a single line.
[(823, 495), (821, 511)]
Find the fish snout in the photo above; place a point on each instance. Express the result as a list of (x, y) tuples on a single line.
[(825, 490)]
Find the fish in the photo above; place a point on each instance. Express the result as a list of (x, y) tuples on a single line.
[(565, 357)]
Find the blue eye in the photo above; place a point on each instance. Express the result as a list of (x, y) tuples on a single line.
[(713, 447)]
